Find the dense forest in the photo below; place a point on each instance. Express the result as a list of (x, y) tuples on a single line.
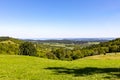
[(60, 49)]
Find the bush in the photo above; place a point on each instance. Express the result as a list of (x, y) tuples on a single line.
[(27, 48), (51, 55)]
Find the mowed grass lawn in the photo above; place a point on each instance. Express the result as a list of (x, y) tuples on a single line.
[(15, 67)]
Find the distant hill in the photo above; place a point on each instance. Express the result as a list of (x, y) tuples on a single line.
[(9, 45), (17, 41), (90, 39), (71, 40), (112, 46), (110, 43)]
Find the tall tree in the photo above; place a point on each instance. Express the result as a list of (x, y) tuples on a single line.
[(27, 48)]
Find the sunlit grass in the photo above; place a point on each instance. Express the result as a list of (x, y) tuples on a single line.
[(14, 67), (107, 56)]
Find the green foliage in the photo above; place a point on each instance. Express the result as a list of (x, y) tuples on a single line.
[(61, 50), (51, 55), (76, 54), (9, 45), (27, 48), (114, 48), (64, 53), (17, 41), (6, 48), (60, 53)]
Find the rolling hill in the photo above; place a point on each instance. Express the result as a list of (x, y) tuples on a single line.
[(15, 67), (9, 45)]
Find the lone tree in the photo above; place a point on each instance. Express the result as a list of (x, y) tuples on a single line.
[(27, 48)]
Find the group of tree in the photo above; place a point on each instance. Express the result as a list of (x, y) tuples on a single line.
[(27, 48), (18, 47), (76, 53), (107, 47)]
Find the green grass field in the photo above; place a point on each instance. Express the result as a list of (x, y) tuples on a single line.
[(14, 67)]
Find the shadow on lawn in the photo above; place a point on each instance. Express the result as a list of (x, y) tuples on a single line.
[(113, 72)]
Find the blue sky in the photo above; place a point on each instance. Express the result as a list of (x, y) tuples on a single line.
[(60, 18)]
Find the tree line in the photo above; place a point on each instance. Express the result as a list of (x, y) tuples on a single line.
[(61, 53)]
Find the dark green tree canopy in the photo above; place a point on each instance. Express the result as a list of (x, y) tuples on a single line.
[(27, 48)]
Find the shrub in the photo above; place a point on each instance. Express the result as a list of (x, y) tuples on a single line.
[(27, 48)]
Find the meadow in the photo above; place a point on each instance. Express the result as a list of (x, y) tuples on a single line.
[(101, 67)]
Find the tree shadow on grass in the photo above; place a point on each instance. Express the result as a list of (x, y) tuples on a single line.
[(113, 72)]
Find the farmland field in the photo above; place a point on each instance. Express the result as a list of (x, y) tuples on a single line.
[(15, 67)]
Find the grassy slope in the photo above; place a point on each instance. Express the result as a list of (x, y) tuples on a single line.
[(14, 67)]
